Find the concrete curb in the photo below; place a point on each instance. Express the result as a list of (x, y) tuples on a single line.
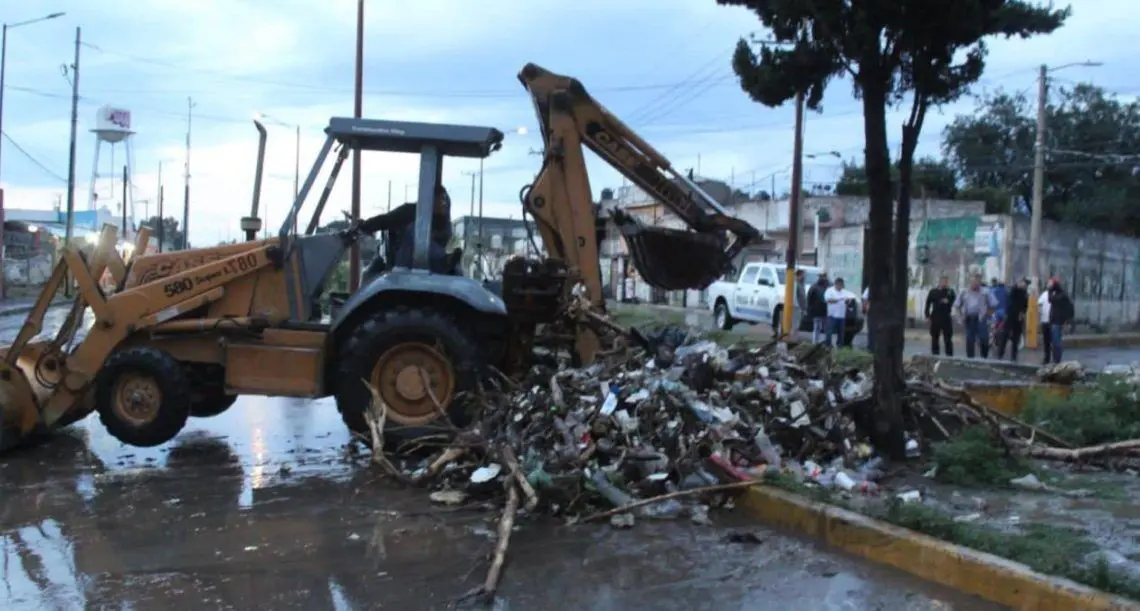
[(984, 575)]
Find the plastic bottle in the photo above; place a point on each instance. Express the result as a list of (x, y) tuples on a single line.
[(768, 450)]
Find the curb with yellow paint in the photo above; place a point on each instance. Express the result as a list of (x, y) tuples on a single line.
[(984, 575), (1010, 398)]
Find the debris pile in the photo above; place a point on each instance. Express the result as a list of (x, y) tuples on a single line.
[(669, 429), (655, 428)]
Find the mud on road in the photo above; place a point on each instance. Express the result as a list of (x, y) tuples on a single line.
[(266, 506), (269, 505)]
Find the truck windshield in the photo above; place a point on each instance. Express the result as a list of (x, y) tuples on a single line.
[(810, 277)]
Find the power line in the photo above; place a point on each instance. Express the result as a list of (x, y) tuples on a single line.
[(679, 86), (329, 89), (32, 159)]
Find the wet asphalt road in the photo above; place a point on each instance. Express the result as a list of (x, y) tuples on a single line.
[(1092, 358), (267, 506)]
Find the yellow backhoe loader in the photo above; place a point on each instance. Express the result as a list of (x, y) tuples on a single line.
[(183, 333)]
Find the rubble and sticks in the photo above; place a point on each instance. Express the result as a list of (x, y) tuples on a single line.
[(676, 424)]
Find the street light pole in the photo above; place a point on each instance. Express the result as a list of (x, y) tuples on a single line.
[(1032, 320), (3, 64), (357, 112), (186, 189), (788, 324)]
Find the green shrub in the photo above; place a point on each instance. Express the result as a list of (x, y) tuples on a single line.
[(974, 459), (1107, 411)]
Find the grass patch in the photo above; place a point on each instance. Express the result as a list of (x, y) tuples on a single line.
[(1052, 550), (635, 316), (852, 358), (1107, 411), (1048, 549), (973, 459)]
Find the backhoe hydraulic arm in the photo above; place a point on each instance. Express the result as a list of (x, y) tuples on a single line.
[(560, 198)]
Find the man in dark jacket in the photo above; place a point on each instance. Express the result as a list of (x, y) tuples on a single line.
[(1017, 304), (939, 315), (817, 307), (439, 261), (1061, 312)]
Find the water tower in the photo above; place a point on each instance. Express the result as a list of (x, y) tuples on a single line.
[(113, 126)]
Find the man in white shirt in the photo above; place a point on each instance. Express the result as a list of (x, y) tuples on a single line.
[(836, 298), (866, 319), (1043, 311)]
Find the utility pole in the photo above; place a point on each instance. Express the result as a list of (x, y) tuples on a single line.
[(186, 190), (358, 110), (389, 196), (126, 186), (479, 245), (1037, 213), (471, 215), (1032, 316), (788, 325), (71, 154), (296, 178)]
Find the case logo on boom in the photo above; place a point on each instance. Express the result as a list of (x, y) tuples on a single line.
[(655, 180)]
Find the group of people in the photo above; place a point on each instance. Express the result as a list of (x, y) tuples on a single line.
[(826, 304), (981, 307)]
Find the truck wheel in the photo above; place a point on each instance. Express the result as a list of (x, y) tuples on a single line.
[(388, 352), (143, 396), (723, 318)]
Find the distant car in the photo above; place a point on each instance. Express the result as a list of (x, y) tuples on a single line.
[(756, 296)]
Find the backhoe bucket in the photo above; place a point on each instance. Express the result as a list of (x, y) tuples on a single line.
[(674, 259)]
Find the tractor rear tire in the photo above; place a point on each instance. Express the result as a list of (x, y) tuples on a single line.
[(143, 396), (425, 338)]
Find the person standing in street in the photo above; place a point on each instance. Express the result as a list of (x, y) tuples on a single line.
[(836, 298), (1044, 311), (1001, 295), (801, 302), (817, 308), (975, 304), (1060, 314), (866, 318), (940, 315), (1017, 304)]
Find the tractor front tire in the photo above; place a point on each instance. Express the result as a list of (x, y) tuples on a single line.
[(388, 352), (143, 396)]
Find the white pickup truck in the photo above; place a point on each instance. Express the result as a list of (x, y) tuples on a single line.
[(757, 296)]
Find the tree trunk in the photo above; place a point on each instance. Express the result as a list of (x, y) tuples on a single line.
[(885, 316)]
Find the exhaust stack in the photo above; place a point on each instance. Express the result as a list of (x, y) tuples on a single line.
[(251, 224)]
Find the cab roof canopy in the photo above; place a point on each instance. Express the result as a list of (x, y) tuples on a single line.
[(411, 137)]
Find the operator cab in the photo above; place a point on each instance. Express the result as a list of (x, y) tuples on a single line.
[(318, 254)]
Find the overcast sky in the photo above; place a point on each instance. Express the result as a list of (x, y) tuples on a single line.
[(663, 67)]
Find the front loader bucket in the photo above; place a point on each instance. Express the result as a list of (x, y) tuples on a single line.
[(21, 395), (674, 259)]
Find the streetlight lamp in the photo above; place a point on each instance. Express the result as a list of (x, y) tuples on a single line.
[(1037, 212), (518, 131), (296, 155), (3, 62), (824, 154)]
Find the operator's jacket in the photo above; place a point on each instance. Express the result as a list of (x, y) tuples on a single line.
[(401, 227)]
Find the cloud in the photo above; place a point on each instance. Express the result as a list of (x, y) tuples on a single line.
[(664, 72)]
